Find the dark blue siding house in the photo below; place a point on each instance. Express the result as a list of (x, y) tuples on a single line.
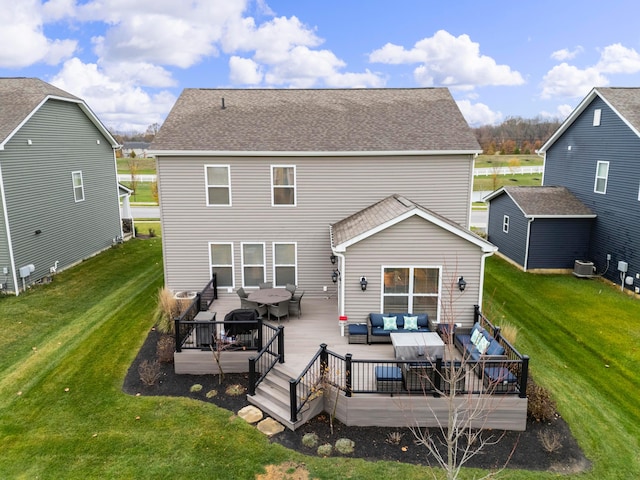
[(595, 155), (539, 227)]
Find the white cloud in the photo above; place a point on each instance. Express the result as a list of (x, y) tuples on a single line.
[(565, 80), (119, 104), (449, 61), (244, 71), (477, 114), (566, 54), (561, 113), (22, 41), (618, 59)]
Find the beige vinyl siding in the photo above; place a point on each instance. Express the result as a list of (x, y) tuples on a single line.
[(413, 242), (327, 190), (39, 189)]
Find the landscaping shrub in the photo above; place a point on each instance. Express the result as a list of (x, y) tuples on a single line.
[(509, 332), (345, 446), (235, 390), (165, 348), (149, 372), (541, 407), (196, 387), (167, 310), (310, 440), (325, 450), (550, 441)]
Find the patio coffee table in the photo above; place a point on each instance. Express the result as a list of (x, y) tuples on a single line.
[(270, 296), (419, 345)]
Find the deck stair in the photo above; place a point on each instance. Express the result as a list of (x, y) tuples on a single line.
[(272, 397)]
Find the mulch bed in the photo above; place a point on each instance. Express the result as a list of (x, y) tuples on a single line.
[(371, 443)]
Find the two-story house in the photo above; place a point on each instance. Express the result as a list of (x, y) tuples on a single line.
[(58, 186), (316, 186), (593, 157)]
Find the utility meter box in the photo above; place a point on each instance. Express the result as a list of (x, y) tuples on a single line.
[(27, 270), (623, 266)]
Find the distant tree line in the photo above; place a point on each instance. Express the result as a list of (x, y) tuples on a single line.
[(147, 136), (515, 136)]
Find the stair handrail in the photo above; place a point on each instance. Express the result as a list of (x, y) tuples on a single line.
[(278, 357)]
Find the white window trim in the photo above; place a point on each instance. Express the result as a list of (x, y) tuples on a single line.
[(294, 186), (233, 269), (606, 178), (263, 265), (81, 186), (597, 116), (505, 224), (275, 265), (410, 294), (206, 186)]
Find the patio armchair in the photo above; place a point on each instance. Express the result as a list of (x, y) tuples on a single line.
[(279, 310), (291, 288), (295, 304), (265, 284), (247, 304)]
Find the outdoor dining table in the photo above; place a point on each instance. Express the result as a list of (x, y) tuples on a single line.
[(270, 296)]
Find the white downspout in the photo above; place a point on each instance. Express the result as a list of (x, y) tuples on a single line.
[(482, 268), (5, 216), (526, 250)]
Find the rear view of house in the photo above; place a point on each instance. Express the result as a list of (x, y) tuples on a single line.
[(254, 184), (58, 185)]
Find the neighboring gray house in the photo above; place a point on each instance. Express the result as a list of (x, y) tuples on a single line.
[(58, 186), (539, 227), (250, 182)]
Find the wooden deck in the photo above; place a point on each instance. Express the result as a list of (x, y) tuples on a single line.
[(319, 324)]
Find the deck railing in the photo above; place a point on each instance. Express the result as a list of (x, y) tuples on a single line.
[(267, 357), (185, 324)]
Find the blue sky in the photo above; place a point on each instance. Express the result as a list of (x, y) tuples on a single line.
[(130, 59)]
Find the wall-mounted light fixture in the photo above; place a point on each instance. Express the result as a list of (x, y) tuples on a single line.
[(462, 284), (38, 232), (335, 275), (363, 283), (333, 259)]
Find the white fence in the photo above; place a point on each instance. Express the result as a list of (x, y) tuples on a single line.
[(487, 172)]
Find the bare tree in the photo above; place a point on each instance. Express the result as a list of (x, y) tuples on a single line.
[(464, 435)]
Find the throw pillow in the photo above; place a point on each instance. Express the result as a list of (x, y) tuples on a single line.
[(475, 336), (389, 323), (483, 344), (411, 323)]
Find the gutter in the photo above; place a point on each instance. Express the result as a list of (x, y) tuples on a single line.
[(482, 269)]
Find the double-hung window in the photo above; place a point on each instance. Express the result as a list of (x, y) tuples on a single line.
[(253, 260), (78, 186), (602, 174), (218, 182), (285, 264), (221, 261), (283, 185), (411, 289)]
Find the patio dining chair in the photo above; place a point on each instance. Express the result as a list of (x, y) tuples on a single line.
[(279, 310), (265, 284), (245, 303), (295, 304), (291, 288)]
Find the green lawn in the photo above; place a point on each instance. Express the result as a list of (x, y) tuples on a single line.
[(66, 348), (146, 166), (582, 338), (488, 161)]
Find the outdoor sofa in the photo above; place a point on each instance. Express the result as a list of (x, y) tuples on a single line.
[(380, 325)]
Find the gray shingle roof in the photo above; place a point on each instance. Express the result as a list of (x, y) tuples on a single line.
[(387, 210), (546, 202), (325, 120), (626, 101), (19, 97)]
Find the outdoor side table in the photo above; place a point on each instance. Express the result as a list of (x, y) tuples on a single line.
[(204, 332)]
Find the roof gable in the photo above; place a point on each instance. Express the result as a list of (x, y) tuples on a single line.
[(20, 98), (545, 202), (624, 102), (318, 120), (388, 212)]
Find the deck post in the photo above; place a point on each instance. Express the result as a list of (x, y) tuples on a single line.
[(437, 378), (280, 344), (176, 322), (476, 313), (293, 400), (259, 345), (524, 378), (252, 376), (347, 374)]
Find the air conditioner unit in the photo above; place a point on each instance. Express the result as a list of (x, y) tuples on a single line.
[(583, 269)]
